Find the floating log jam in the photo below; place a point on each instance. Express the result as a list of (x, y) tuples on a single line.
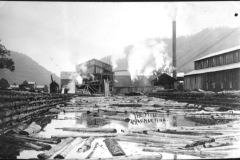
[(64, 153), (48, 154), (113, 147), (87, 145), (105, 130), (116, 118)]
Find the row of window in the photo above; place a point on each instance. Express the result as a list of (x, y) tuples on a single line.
[(224, 59), (214, 85)]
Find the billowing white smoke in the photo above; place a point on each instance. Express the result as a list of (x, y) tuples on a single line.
[(75, 79), (116, 57), (79, 79), (146, 57), (82, 68), (71, 87), (173, 10)]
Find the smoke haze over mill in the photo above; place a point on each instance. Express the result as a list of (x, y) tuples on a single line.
[(65, 34)]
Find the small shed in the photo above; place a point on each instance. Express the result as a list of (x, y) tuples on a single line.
[(164, 80)]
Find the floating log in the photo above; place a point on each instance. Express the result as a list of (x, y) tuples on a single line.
[(112, 110), (48, 154), (135, 157), (38, 139), (43, 145), (87, 145), (116, 118), (179, 136), (85, 135), (220, 126), (164, 145), (182, 152), (226, 136), (32, 128), (212, 113), (134, 130), (208, 131), (217, 144), (64, 153), (127, 104), (92, 152), (222, 148), (105, 130), (113, 147), (150, 140)]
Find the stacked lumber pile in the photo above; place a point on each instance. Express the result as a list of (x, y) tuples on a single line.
[(18, 106)]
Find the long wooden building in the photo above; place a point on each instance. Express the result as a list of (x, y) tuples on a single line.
[(215, 72)]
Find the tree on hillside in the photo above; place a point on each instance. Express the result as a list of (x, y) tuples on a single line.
[(4, 61)]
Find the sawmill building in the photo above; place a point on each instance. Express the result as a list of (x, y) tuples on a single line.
[(94, 72), (215, 72)]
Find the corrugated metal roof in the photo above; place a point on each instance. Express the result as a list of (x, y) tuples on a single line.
[(66, 75), (220, 52), (214, 69)]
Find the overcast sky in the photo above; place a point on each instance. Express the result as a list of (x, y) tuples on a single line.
[(59, 35)]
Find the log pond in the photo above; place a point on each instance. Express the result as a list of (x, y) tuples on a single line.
[(122, 127)]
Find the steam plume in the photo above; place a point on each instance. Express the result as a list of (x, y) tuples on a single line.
[(148, 56), (75, 79)]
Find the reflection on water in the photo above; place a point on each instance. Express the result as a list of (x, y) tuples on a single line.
[(84, 120)]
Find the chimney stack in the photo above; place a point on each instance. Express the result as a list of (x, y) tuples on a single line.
[(174, 60)]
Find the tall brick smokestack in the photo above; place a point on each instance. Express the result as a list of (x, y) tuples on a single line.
[(174, 58)]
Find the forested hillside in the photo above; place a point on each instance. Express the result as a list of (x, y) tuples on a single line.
[(27, 69)]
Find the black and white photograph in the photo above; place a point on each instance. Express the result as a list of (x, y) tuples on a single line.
[(119, 80)]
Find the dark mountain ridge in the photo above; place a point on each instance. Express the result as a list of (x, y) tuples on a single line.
[(27, 69)]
